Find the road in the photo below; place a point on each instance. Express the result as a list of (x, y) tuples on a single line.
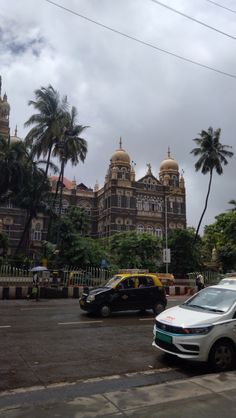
[(52, 341)]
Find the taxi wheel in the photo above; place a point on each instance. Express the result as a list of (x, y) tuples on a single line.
[(105, 311), (158, 308), (222, 355)]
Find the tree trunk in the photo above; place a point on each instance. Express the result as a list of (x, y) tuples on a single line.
[(23, 240), (48, 161), (205, 207), (52, 207)]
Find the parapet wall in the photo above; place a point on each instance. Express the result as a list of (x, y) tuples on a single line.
[(24, 292)]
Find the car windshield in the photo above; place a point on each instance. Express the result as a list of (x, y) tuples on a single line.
[(212, 299), (113, 281)]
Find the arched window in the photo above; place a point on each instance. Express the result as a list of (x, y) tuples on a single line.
[(140, 229), (158, 232), (149, 229)]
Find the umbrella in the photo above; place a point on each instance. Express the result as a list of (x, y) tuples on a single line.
[(39, 268)]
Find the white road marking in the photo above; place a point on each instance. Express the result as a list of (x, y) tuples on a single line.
[(147, 319), (5, 326), (38, 309), (79, 322)]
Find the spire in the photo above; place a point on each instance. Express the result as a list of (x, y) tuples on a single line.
[(168, 153), (149, 172), (120, 142), (16, 130)]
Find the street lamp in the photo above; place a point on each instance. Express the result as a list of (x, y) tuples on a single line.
[(166, 251)]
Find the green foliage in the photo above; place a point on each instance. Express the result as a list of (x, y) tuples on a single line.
[(13, 157), (222, 236), (132, 250), (185, 256), (212, 156), (3, 244)]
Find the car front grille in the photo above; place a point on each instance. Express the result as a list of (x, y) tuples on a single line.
[(169, 328), (173, 349)]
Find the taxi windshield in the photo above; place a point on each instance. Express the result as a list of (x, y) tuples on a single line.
[(113, 281), (212, 299)]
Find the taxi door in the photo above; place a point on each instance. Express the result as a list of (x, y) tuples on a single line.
[(125, 295)]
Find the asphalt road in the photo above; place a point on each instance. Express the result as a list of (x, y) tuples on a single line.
[(52, 341)]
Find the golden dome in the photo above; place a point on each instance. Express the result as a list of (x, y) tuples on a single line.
[(120, 155), (169, 164)]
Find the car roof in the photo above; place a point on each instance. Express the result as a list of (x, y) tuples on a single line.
[(156, 280), (223, 286)]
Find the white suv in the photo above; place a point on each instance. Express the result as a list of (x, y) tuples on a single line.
[(203, 328)]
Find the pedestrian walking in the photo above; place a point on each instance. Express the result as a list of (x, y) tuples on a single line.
[(200, 282)]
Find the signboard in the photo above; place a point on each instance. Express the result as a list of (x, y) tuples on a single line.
[(166, 255)]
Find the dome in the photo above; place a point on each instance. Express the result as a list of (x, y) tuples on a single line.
[(15, 138), (120, 155), (169, 164)]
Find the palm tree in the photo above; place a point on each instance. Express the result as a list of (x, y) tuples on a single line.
[(212, 156), (233, 202), (71, 146), (47, 122), (12, 157)]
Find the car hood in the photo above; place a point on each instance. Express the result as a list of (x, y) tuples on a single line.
[(181, 316), (99, 290)]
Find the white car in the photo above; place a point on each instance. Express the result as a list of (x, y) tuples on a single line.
[(203, 328)]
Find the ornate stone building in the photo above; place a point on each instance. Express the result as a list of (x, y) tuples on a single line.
[(154, 203), (151, 204)]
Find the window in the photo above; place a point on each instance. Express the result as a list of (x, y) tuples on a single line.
[(140, 229), (139, 205), (150, 229), (128, 201), (158, 232), (146, 206), (119, 201), (36, 232)]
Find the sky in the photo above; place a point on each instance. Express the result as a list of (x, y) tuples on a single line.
[(124, 88)]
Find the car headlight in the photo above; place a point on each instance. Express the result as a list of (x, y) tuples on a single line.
[(90, 298), (198, 330)]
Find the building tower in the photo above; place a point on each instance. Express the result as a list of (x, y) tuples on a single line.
[(4, 114)]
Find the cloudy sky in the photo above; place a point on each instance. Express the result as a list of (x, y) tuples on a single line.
[(125, 88)]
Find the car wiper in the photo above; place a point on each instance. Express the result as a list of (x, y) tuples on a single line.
[(196, 306), (214, 309)]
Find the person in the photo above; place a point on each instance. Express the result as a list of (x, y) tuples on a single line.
[(200, 282)]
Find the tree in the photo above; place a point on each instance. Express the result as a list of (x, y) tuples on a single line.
[(48, 122), (33, 197), (3, 244), (71, 147), (132, 250), (233, 202), (12, 158), (212, 156), (222, 237), (185, 257)]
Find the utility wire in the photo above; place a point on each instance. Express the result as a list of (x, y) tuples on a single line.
[(193, 19), (141, 42), (220, 5)]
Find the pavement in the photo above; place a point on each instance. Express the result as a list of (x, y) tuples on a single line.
[(207, 396)]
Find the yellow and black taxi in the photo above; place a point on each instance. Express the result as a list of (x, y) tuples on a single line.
[(125, 292)]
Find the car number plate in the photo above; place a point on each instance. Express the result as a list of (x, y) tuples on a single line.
[(81, 302), (163, 337)]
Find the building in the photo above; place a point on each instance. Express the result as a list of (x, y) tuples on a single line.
[(151, 204), (154, 203)]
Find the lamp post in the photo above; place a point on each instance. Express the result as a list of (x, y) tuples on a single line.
[(166, 251)]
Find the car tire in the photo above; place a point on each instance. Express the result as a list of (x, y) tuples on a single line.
[(222, 354), (158, 308), (105, 311)]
